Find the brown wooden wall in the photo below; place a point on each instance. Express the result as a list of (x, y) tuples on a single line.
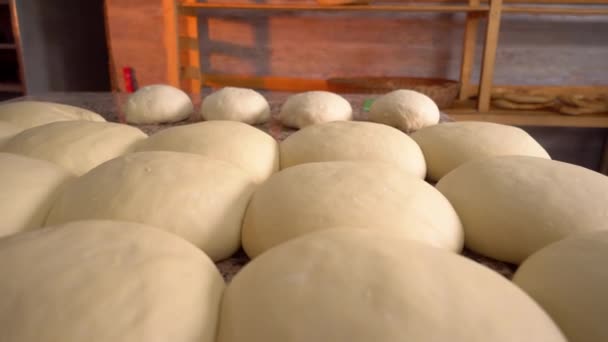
[(532, 50)]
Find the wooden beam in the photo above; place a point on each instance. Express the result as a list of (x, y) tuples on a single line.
[(172, 46), (489, 56), (468, 51), (555, 10), (551, 90), (190, 8)]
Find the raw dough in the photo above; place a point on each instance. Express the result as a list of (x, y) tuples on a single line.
[(242, 145), (200, 199), (512, 206), (569, 280), (158, 103), (407, 110), (28, 189), (78, 146), (360, 286), (100, 281), (7, 131), (28, 114), (448, 145), (236, 104), (353, 140), (313, 107), (372, 195)]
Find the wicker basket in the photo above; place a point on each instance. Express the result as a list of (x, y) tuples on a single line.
[(442, 91)]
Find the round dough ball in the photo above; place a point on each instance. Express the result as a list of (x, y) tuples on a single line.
[(28, 114), (236, 104), (106, 281), (7, 131), (313, 107), (448, 145), (77, 146), (371, 195), (356, 285), (29, 188), (353, 140), (569, 280), (158, 103), (407, 110), (200, 199), (242, 145), (512, 206)]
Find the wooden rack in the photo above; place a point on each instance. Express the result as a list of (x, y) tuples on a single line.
[(184, 66)]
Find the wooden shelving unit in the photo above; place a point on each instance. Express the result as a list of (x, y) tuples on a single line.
[(184, 66), (11, 75)]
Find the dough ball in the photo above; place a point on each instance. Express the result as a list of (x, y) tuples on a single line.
[(569, 280), (77, 146), (28, 114), (448, 145), (512, 206), (371, 195), (313, 107), (236, 104), (7, 131), (355, 285), (101, 281), (353, 140), (200, 199), (158, 103), (28, 189), (407, 110), (242, 145)]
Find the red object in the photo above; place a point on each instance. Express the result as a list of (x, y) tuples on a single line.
[(127, 74)]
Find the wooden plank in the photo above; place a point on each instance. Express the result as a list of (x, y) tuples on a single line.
[(190, 8), (468, 51), (587, 90), (555, 10), (489, 55), (172, 46), (191, 54), (465, 111)]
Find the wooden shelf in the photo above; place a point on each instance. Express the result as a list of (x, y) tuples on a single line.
[(190, 8), (464, 110), (555, 10), (11, 87), (4, 46)]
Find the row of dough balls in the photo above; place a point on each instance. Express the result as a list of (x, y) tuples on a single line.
[(405, 109), (80, 146), (120, 281)]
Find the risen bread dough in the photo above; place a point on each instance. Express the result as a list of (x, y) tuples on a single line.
[(569, 280), (242, 145), (407, 110), (313, 107), (512, 206), (28, 189), (353, 140), (358, 285), (78, 146), (448, 145), (28, 114), (101, 281), (7, 131), (200, 199), (236, 104), (371, 195), (158, 103)]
